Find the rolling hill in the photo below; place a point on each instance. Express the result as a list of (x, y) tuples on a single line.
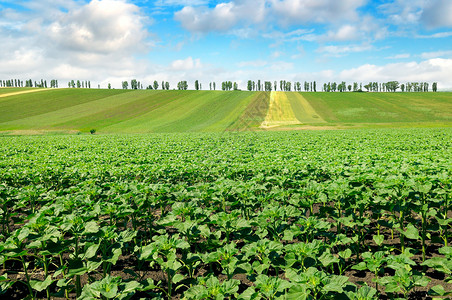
[(141, 111)]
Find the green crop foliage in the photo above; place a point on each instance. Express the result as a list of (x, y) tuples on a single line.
[(231, 215)]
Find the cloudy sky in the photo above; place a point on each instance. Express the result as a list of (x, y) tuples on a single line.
[(108, 41)]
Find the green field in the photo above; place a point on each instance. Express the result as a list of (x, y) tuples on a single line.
[(143, 111), (352, 214), (4, 91), (384, 108), (196, 210), (112, 111)]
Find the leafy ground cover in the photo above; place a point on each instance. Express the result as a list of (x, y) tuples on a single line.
[(359, 214)]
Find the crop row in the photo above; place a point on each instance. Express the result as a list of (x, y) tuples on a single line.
[(356, 214)]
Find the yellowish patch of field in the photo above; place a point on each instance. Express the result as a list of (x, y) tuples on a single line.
[(303, 110), (280, 112), (38, 132), (21, 92)]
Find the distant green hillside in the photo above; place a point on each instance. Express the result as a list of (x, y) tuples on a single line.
[(133, 111), (140, 111), (383, 109)]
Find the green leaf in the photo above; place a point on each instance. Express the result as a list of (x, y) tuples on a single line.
[(298, 292), (5, 283), (443, 222), (283, 284), (116, 253), (147, 252), (378, 239), (108, 286), (109, 291), (420, 280), (441, 264), (292, 275), (41, 285), (288, 235), (13, 254), (260, 268), (230, 286), (290, 259), (131, 287), (438, 290), (90, 292), (182, 244), (447, 250), (91, 227), (34, 244), (327, 258), (347, 253), (147, 285), (411, 232), (128, 235), (335, 283), (90, 252), (249, 294), (24, 232), (178, 277), (364, 293), (360, 267), (77, 271), (92, 265), (196, 292), (64, 282), (425, 188), (59, 271)]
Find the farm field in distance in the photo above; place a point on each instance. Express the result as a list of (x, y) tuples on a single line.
[(345, 214), (142, 111), (226, 150)]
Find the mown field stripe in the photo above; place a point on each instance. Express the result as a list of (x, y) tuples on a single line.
[(138, 103), (6, 92), (194, 111), (33, 104), (303, 111), (226, 110), (137, 111), (254, 114), (177, 105), (73, 116), (360, 108), (280, 112)]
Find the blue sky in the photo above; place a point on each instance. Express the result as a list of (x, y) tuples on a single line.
[(108, 41)]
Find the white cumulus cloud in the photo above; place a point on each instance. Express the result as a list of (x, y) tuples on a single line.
[(226, 15), (437, 13), (437, 54), (223, 17), (338, 51), (74, 40), (319, 11), (431, 70), (186, 64), (103, 27), (344, 33), (253, 64)]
